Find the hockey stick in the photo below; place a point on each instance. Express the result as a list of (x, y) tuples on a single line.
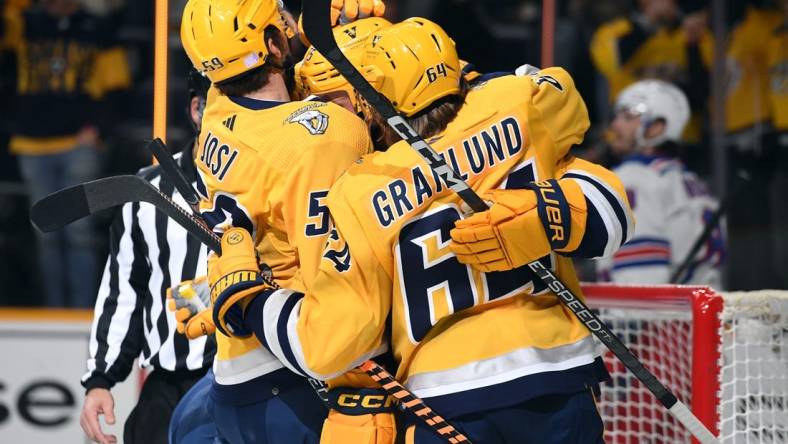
[(711, 225), (172, 172), (68, 205), (317, 26)]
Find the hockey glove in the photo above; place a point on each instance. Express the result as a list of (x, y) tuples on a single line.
[(512, 232), (191, 301), (346, 11), (235, 279)]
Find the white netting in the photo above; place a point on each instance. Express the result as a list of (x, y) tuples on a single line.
[(661, 339), (754, 368), (753, 377)]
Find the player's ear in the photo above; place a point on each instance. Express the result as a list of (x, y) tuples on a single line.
[(274, 49), (655, 129), (276, 42)]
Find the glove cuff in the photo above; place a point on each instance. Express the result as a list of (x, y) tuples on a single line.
[(229, 294), (553, 211)]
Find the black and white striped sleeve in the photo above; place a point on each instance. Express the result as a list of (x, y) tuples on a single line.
[(117, 336)]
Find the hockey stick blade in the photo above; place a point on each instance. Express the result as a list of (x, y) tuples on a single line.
[(317, 26), (173, 173), (71, 204)]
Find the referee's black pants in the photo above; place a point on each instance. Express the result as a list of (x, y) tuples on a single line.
[(149, 420)]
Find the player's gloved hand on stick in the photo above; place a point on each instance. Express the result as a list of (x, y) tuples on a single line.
[(191, 302), (346, 11), (508, 235), (235, 279)]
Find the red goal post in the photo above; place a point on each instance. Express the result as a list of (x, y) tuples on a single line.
[(723, 354)]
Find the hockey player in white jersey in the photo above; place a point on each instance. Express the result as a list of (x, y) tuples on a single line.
[(671, 204)]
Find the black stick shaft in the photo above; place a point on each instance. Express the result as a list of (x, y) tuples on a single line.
[(174, 174), (711, 225)]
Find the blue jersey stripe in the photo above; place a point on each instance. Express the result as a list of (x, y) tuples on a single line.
[(595, 237), (611, 198), (281, 330)]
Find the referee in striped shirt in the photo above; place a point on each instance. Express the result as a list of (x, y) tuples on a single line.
[(148, 254)]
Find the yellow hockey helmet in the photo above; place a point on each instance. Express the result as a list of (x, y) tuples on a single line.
[(315, 75), (224, 38), (413, 64)]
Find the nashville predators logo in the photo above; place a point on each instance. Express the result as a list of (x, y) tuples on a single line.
[(313, 120)]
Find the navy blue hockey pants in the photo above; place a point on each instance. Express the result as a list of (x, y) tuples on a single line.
[(290, 417), (552, 419)]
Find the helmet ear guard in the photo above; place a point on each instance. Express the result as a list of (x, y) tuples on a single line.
[(374, 75), (641, 141)]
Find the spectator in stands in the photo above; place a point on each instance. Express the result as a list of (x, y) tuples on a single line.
[(778, 141), (747, 122), (68, 66), (149, 253), (671, 205), (656, 42)]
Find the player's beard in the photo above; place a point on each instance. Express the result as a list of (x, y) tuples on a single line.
[(286, 64), (288, 72)]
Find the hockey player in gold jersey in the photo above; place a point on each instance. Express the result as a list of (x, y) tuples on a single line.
[(265, 165), (495, 353)]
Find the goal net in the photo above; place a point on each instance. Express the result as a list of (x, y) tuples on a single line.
[(724, 354)]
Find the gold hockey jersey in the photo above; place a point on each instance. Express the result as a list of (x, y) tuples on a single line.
[(267, 167), (747, 100), (464, 340)]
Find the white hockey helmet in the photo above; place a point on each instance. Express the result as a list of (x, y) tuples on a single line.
[(653, 100)]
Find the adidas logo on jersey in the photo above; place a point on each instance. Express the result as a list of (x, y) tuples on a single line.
[(229, 122)]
